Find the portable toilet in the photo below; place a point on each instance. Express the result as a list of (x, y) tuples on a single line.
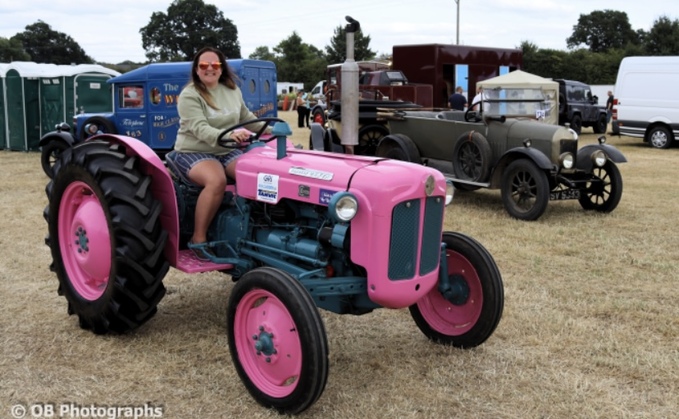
[(22, 104), (86, 89), (3, 108)]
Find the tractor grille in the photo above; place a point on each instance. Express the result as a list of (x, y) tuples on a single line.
[(407, 240)]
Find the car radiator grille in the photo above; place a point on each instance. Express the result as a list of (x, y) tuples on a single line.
[(407, 239), (569, 146)]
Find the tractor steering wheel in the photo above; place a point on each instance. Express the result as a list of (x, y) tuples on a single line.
[(233, 144)]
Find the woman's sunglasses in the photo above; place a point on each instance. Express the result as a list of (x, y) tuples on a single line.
[(205, 65)]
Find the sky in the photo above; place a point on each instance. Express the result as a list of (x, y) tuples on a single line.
[(109, 31)]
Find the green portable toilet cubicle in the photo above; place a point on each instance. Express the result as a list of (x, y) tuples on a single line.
[(3, 109), (39, 96), (86, 89), (22, 104)]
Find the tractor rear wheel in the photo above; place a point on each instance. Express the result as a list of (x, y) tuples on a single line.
[(105, 237)]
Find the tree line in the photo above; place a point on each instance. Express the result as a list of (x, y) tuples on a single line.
[(596, 46)]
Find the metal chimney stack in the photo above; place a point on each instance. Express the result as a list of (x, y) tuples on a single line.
[(350, 91)]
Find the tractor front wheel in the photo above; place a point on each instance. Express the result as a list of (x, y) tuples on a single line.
[(277, 340), (105, 238), (472, 311)]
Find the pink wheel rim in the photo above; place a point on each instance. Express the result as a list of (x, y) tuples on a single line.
[(268, 343), (446, 317), (84, 241)]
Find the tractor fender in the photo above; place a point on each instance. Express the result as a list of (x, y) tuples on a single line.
[(64, 136), (162, 187), (584, 161), (536, 156)]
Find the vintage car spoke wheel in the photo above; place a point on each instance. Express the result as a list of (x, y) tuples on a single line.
[(277, 340), (525, 190), (471, 157), (472, 312), (105, 238), (660, 137), (50, 154), (603, 195), (369, 137)]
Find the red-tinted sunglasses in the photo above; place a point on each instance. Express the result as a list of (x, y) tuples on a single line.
[(204, 65)]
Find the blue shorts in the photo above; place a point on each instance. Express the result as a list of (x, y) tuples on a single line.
[(183, 162)]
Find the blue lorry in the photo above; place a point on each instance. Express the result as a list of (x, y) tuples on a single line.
[(145, 105)]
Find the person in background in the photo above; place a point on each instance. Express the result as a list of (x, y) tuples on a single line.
[(302, 109), (457, 100), (480, 96), (208, 104), (609, 107)]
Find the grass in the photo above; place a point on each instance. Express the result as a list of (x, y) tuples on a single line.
[(590, 326)]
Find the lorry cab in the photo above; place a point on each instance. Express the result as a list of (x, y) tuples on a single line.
[(145, 100)]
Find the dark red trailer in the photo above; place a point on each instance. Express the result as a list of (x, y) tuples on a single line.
[(447, 66)]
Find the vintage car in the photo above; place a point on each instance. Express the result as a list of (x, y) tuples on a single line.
[(506, 145)]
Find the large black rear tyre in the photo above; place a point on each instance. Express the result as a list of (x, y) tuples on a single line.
[(105, 237)]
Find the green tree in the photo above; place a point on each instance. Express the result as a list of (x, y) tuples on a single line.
[(188, 26), (602, 31), (663, 38), (337, 50), (12, 50), (297, 61), (45, 45), (262, 53)]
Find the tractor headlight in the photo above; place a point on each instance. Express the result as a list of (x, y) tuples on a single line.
[(567, 160), (450, 192), (343, 206), (599, 158), (91, 129)]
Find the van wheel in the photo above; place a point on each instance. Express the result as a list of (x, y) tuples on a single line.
[(471, 157), (600, 125), (660, 137)]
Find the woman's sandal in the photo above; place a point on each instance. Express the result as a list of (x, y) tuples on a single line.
[(202, 251)]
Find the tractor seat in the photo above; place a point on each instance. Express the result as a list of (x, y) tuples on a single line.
[(179, 176)]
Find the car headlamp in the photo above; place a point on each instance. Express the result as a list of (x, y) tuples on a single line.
[(343, 207), (599, 158), (450, 192), (567, 160)]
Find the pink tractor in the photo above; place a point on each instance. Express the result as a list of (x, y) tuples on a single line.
[(298, 230)]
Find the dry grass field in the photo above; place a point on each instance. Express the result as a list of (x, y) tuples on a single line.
[(590, 327)]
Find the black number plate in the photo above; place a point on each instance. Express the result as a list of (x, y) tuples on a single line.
[(564, 195)]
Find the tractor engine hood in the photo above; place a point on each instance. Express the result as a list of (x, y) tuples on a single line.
[(301, 175)]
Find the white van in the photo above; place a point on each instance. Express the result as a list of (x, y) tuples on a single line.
[(647, 99)]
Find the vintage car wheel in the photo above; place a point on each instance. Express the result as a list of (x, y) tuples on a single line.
[(473, 310), (50, 154), (277, 340), (369, 137), (106, 238), (471, 157), (600, 125), (576, 124), (103, 125), (603, 196), (318, 116), (525, 190), (660, 137), (398, 147)]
